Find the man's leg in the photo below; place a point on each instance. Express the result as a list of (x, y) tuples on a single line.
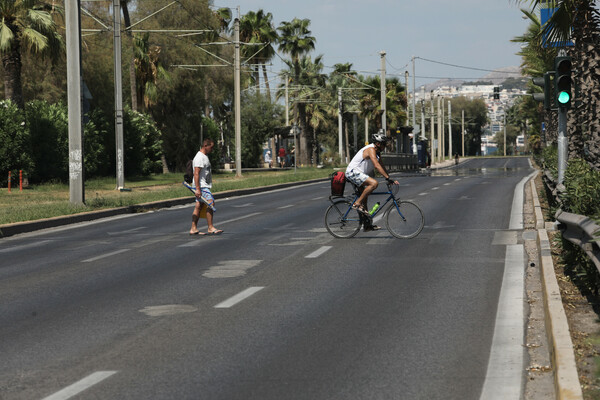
[(368, 187), (195, 217)]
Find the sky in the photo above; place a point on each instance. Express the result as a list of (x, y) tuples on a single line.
[(469, 33)]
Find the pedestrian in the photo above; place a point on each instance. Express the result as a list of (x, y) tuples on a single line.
[(282, 157), (268, 159), (202, 185)]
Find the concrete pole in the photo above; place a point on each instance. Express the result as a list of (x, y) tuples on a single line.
[(407, 97), (450, 152), (504, 133), (432, 126), (366, 131), (463, 133), (383, 105), (414, 96), (237, 101), (119, 145), (439, 124), (443, 133), (340, 136), (73, 33)]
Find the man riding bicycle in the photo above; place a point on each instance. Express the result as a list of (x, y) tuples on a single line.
[(361, 168)]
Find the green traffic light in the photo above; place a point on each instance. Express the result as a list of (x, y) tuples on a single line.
[(564, 97)]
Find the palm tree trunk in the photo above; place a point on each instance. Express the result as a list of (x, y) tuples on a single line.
[(264, 68), (11, 61)]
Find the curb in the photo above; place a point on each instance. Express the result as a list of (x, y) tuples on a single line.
[(566, 380), (30, 226)]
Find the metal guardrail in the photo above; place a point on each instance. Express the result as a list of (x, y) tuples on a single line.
[(577, 229), (582, 231)]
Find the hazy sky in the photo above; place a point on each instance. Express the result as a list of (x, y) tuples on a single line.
[(472, 33)]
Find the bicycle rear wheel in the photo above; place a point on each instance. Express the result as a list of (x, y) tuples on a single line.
[(341, 220), (405, 221)]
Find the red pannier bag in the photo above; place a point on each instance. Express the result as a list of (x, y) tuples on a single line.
[(338, 183)]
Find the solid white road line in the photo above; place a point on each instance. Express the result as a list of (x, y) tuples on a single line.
[(80, 386), (25, 246), (317, 253), (230, 302), (112, 253), (504, 375)]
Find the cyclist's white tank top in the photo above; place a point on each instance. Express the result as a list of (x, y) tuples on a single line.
[(364, 165)]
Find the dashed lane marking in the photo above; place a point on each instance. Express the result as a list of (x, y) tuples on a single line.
[(318, 252), (112, 253), (81, 385), (232, 301)]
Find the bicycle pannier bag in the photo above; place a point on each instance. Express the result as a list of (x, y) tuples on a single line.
[(338, 183)]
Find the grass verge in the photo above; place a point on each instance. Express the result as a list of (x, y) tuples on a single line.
[(52, 200)]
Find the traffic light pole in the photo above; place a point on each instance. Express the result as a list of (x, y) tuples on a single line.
[(562, 144)]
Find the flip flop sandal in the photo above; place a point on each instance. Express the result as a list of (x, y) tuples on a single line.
[(217, 232), (361, 209)]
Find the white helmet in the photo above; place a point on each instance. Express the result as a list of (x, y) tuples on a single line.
[(379, 137)]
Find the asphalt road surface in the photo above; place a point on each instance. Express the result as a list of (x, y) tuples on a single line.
[(274, 308)]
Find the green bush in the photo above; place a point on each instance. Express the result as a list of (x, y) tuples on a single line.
[(143, 144), (49, 129), (15, 142), (582, 189)]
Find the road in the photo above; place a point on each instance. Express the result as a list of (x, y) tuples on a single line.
[(274, 308)]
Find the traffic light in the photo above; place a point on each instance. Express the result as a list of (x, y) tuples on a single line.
[(545, 83), (562, 82), (496, 93)]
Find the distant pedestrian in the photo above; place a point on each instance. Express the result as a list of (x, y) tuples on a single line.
[(268, 159), (282, 156), (202, 185)]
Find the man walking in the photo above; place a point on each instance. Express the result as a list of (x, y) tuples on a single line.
[(203, 184)]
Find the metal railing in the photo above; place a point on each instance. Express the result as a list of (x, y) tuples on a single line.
[(577, 229), (400, 162)]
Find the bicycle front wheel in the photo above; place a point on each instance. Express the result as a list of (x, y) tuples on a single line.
[(404, 221), (341, 220)]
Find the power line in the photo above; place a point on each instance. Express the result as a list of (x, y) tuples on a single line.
[(471, 68)]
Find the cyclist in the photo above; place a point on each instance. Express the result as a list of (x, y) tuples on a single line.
[(361, 167)]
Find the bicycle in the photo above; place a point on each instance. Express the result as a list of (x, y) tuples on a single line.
[(403, 218)]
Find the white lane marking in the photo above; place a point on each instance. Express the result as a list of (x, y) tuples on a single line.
[(504, 375), (244, 205), (423, 194), (230, 302), (318, 252), (318, 198), (25, 246), (435, 188), (128, 231), (112, 253), (448, 184), (288, 206), (80, 386)]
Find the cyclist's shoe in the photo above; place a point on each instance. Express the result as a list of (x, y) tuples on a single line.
[(372, 228), (361, 209)]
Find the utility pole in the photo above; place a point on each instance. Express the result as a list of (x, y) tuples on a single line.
[(439, 115), (423, 118), (407, 96), (73, 33), (449, 128), (340, 147), (237, 101), (463, 133), (432, 155), (414, 119), (120, 147), (383, 105)]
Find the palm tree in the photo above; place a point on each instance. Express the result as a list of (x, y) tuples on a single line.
[(257, 28), (148, 69), (25, 24), (578, 20), (295, 39)]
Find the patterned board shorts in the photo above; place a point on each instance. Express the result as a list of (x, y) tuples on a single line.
[(207, 196), (356, 177)]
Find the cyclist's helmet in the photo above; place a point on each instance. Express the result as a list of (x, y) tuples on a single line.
[(379, 137)]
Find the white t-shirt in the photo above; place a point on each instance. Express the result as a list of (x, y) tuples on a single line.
[(364, 165), (201, 161)]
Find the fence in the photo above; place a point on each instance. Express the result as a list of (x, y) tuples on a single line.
[(400, 162)]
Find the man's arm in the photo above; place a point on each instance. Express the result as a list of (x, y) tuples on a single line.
[(372, 154), (197, 180)]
